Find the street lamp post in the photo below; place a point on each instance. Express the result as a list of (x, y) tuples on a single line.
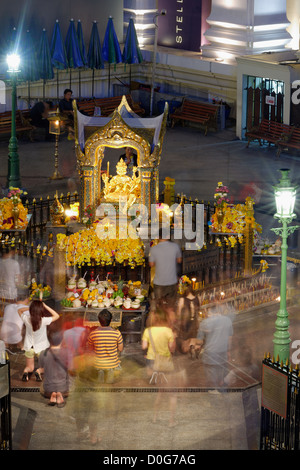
[(13, 178), (285, 196), (162, 13)]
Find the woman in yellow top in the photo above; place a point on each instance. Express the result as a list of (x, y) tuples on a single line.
[(162, 337)]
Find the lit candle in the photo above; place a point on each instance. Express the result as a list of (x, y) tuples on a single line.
[(193, 282), (107, 168)]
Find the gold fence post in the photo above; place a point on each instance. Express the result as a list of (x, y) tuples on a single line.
[(59, 280), (248, 236), (169, 192)]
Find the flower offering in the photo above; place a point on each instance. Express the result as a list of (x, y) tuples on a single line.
[(221, 195)]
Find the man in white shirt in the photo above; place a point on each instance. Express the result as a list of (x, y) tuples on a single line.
[(9, 276), (12, 325)]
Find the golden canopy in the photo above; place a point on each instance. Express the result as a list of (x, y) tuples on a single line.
[(122, 129)]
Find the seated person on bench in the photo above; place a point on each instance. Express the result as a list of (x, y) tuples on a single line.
[(66, 108)]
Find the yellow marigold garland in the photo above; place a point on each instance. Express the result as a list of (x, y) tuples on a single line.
[(85, 246), (6, 217), (234, 220)]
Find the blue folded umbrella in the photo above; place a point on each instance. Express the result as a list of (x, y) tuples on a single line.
[(95, 59), (57, 49), (81, 43), (72, 48), (58, 53), (44, 58), (111, 51), (29, 69), (111, 48), (131, 52)]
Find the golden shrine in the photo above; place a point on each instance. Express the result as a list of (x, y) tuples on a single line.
[(123, 128)]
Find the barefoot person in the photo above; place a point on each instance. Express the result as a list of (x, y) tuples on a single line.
[(36, 339)]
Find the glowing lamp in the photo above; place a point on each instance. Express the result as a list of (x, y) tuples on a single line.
[(285, 197), (13, 62)]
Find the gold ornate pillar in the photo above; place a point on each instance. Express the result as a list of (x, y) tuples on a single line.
[(169, 193), (248, 236), (155, 178), (60, 273), (146, 188), (88, 192)]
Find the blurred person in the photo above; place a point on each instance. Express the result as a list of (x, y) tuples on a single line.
[(165, 257), (215, 335), (188, 321), (9, 276), (106, 342), (85, 406), (12, 325), (167, 307), (66, 108), (39, 114), (158, 339), (244, 371), (36, 338), (47, 271), (54, 362), (74, 340)]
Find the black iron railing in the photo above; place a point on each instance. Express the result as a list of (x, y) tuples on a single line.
[(280, 407), (5, 407)]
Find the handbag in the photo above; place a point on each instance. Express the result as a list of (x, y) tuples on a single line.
[(161, 363)]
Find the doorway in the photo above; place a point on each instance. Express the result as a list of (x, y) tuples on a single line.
[(263, 99)]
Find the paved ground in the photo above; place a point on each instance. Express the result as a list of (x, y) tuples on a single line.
[(226, 421)]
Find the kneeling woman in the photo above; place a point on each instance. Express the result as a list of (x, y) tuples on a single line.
[(36, 338)]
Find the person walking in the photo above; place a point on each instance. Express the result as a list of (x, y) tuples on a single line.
[(165, 258), (188, 321), (214, 335), (158, 341), (36, 339), (106, 342)]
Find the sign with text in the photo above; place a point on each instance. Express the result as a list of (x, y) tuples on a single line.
[(274, 390), (270, 100), (180, 28)]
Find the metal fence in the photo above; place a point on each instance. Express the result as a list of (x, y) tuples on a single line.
[(280, 406), (216, 261), (5, 408), (40, 214)]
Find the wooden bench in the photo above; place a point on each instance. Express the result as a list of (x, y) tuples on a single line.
[(291, 142), (195, 111), (269, 131), (86, 107), (23, 124), (107, 105)]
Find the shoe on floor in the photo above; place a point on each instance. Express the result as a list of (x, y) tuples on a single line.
[(25, 377)]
